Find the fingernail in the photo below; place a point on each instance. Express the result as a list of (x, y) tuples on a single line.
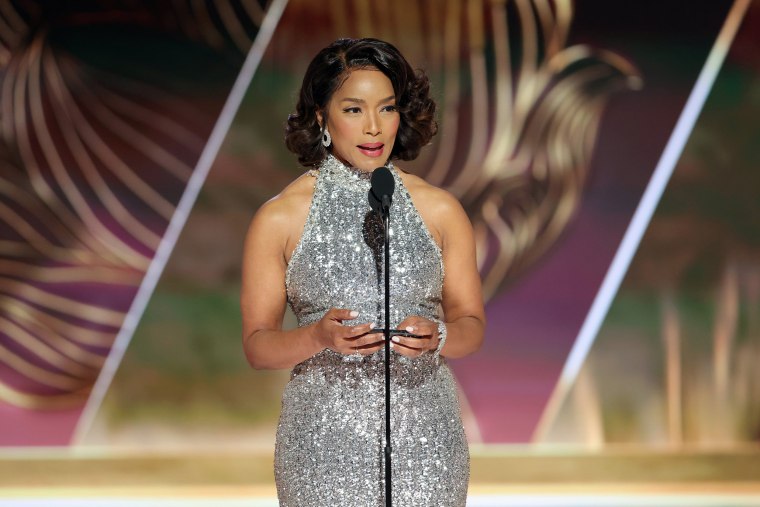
[(395, 339), (393, 346), (410, 329), (372, 326), (354, 313)]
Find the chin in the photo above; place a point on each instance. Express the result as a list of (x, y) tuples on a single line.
[(370, 166), (365, 163)]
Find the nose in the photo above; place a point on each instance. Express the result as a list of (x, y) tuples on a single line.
[(372, 124)]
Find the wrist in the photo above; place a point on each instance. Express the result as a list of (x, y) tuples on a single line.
[(315, 338), (442, 333)]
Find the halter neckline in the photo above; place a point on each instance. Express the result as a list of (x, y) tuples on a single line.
[(347, 176)]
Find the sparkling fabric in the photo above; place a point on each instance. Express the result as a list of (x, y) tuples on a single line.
[(330, 438)]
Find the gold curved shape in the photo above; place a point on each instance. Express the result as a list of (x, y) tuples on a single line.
[(446, 147), (64, 274), (478, 145), (66, 347), (76, 208), (40, 127), (37, 374), (232, 24), (105, 100), (42, 402), (85, 163), (546, 111), (41, 186), (12, 19), (116, 166), (162, 157), (73, 332), (57, 303), (208, 31), (254, 11), (44, 352), (32, 206), (25, 202)]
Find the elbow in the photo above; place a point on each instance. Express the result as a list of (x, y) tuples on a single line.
[(475, 345), (478, 344), (480, 335), (255, 360)]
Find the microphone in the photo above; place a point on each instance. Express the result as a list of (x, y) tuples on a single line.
[(379, 196), (381, 192)]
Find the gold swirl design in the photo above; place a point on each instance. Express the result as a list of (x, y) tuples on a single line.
[(519, 116), (93, 162), (92, 165), (525, 168)]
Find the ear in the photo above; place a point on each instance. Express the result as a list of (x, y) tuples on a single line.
[(319, 119)]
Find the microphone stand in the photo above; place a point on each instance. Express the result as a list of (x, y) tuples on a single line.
[(386, 219), (379, 196)]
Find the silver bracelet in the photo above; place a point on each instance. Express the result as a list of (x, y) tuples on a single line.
[(441, 337)]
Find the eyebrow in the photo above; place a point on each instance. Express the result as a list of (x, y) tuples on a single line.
[(362, 101)]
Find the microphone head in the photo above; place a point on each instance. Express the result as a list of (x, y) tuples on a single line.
[(383, 186)]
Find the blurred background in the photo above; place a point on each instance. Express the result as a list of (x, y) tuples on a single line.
[(607, 154)]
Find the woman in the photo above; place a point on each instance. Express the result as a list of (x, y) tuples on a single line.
[(318, 247)]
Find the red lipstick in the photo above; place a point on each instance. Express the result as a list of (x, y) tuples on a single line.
[(371, 149)]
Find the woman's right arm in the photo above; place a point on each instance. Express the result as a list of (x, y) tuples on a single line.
[(263, 299)]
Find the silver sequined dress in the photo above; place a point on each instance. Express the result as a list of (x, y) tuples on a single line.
[(330, 438)]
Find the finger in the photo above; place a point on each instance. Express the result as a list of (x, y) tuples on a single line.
[(418, 325), (412, 343), (342, 314), (406, 351), (409, 321), (354, 347), (415, 321), (368, 340), (354, 332), (369, 349), (423, 329)]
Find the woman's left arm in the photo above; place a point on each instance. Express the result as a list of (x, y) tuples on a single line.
[(462, 298), (462, 294)]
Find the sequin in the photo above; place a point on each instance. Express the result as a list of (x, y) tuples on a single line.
[(330, 437)]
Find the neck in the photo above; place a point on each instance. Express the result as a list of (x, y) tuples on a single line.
[(357, 170)]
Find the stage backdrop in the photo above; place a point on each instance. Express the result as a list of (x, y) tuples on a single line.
[(121, 222)]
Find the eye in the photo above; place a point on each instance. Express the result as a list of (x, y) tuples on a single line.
[(353, 109), (391, 108)]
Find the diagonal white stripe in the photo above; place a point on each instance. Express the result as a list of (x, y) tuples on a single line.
[(222, 126), (642, 216)]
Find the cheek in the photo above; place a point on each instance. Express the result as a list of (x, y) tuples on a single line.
[(393, 125), (343, 129)]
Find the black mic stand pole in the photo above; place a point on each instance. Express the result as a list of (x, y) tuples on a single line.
[(388, 485), (379, 196)]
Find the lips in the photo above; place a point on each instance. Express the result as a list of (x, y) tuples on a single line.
[(371, 149)]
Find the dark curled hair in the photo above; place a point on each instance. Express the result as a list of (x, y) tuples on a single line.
[(327, 72)]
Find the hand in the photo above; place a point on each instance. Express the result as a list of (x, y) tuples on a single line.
[(415, 347), (333, 335)]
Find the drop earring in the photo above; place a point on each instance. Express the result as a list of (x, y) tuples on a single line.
[(326, 139)]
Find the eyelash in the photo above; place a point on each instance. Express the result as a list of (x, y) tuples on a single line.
[(391, 109)]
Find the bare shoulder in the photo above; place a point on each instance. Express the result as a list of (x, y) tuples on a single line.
[(440, 209), (293, 198), (280, 215), (429, 196)]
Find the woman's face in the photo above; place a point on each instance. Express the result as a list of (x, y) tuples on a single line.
[(362, 119)]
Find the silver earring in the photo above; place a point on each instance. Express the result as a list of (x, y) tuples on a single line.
[(326, 139)]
